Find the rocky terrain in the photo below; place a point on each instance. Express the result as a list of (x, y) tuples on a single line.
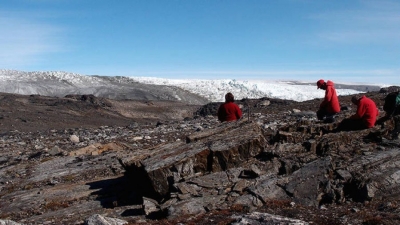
[(81, 159)]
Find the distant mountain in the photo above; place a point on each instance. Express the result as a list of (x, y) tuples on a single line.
[(191, 91)]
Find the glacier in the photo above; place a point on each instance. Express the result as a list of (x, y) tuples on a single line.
[(58, 83), (215, 90)]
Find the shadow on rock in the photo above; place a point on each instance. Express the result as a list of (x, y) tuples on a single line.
[(115, 192)]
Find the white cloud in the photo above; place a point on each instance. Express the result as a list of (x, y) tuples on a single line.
[(24, 40)]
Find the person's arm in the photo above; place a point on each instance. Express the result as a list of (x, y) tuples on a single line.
[(327, 98), (220, 114), (328, 94), (238, 113)]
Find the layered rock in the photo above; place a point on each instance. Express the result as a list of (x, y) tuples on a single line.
[(210, 152), (278, 166)]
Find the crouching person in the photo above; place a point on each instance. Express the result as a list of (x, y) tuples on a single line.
[(229, 111), (365, 116), (392, 109), (330, 105)]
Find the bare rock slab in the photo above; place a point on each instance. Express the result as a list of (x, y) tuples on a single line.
[(305, 184), (102, 220), (171, 163), (266, 188), (222, 128), (192, 206), (256, 217), (381, 174), (217, 180), (8, 222)]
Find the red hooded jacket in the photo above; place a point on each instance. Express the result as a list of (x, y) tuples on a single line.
[(367, 111), (229, 111), (331, 101)]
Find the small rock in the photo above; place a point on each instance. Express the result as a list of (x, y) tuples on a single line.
[(102, 220), (150, 206), (256, 170), (264, 103), (55, 151), (137, 138), (344, 174), (192, 206), (74, 139), (8, 222), (355, 210)]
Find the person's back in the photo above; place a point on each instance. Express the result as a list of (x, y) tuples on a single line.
[(392, 109), (229, 111), (392, 104), (331, 101), (366, 110)]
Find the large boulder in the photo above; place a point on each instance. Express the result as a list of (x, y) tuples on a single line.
[(173, 162)]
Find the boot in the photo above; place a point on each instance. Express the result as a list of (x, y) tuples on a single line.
[(329, 119)]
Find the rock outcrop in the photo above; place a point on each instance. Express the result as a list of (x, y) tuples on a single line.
[(278, 165), (206, 153)]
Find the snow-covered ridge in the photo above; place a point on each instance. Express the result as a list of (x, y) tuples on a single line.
[(72, 78), (57, 83)]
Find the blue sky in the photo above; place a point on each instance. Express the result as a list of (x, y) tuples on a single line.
[(341, 40)]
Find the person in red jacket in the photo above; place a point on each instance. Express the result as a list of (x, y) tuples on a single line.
[(330, 105), (364, 118), (229, 111), (367, 112)]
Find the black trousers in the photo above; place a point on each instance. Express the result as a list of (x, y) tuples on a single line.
[(351, 124), (321, 113)]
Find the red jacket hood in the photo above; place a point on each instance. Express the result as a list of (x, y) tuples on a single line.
[(329, 83)]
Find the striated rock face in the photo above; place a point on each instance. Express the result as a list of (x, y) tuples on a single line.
[(101, 220), (278, 165), (255, 218), (211, 152), (306, 184)]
